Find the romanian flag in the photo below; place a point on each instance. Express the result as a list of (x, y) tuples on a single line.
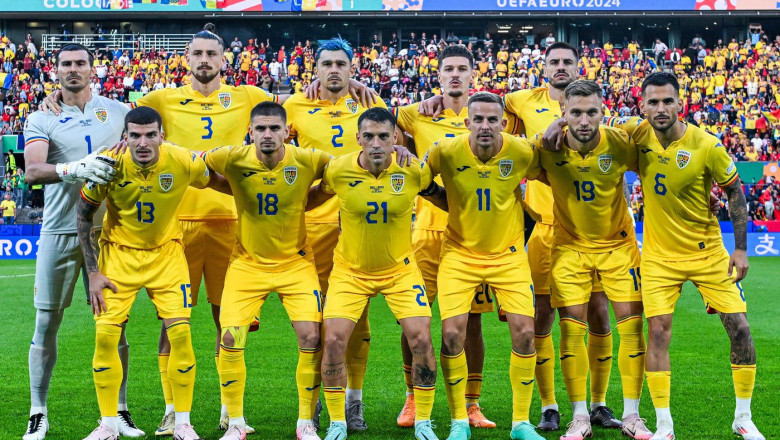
[(772, 116), (6, 80)]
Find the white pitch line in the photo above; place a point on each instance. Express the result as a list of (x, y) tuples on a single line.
[(18, 276)]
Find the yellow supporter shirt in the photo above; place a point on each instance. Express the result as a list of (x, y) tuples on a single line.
[(483, 219), (325, 126), (203, 122), (591, 214), (676, 184), (141, 203), (426, 131), (536, 110), (376, 213), (9, 208), (270, 203)]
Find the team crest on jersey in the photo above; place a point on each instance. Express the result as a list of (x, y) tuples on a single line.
[(605, 162), (166, 181), (224, 100), (352, 106), (683, 157), (397, 182), (102, 114), (505, 167), (290, 174)]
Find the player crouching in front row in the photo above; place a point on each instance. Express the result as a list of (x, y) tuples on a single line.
[(141, 247)]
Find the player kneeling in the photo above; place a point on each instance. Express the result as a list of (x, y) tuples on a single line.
[(373, 255), (140, 247)]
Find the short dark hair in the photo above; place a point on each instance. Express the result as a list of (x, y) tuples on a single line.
[(208, 34), (75, 47), (378, 115), (333, 44), (143, 116), (456, 51), (269, 108), (562, 45), (582, 87), (488, 97), (661, 79)]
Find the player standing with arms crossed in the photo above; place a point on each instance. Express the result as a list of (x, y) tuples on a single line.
[(61, 152)]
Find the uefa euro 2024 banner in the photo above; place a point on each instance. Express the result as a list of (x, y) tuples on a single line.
[(114, 6), (760, 244)]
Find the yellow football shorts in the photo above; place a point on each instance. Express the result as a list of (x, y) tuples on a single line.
[(573, 274), (662, 283), (540, 246), (208, 246), (162, 271), (323, 238), (404, 292), (248, 284), (509, 277), (427, 251)]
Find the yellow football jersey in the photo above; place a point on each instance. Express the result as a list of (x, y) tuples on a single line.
[(676, 184), (376, 213), (591, 214), (426, 131), (141, 203), (483, 208), (537, 111), (203, 122), (270, 203), (325, 126)]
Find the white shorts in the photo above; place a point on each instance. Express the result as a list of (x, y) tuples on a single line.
[(57, 268)]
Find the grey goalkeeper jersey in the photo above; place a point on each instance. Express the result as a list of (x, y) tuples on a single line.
[(71, 136)]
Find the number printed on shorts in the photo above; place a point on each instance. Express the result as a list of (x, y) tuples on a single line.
[(318, 295), (637, 276), (421, 298), (483, 291), (185, 290)]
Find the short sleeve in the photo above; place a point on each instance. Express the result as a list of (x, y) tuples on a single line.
[(431, 159), (152, 100), (426, 177), (320, 160), (93, 194), (632, 154), (510, 114), (405, 117), (627, 124), (35, 129), (217, 158), (721, 166), (327, 184), (258, 95), (534, 164), (199, 173)]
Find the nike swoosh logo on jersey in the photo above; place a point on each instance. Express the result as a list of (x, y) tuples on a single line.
[(249, 173), (463, 168), (566, 356), (186, 101), (452, 384), (646, 150), (562, 163), (98, 370), (542, 110), (227, 383), (186, 370), (527, 383), (314, 111), (355, 183), (124, 184), (542, 361), (604, 359), (312, 388), (62, 121), (636, 355)]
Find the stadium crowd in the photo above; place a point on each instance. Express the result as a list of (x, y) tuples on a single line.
[(729, 88)]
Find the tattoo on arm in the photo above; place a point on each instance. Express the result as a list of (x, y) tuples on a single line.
[(423, 375), (743, 352), (738, 213), (87, 238)]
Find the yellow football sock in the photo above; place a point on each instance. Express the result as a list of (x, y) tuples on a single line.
[(357, 352), (335, 399), (408, 378), (423, 401), (162, 361), (181, 366), (631, 356), (600, 363), (307, 377), (744, 379), (232, 371), (574, 358), (473, 388), (107, 368), (660, 385), (545, 368), (521, 375), (455, 372)]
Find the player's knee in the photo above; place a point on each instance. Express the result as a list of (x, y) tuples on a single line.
[(737, 328), (451, 340), (658, 333), (309, 339), (234, 337), (420, 342), (335, 342), (523, 339)]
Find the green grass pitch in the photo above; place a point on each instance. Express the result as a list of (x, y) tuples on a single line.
[(702, 391)]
